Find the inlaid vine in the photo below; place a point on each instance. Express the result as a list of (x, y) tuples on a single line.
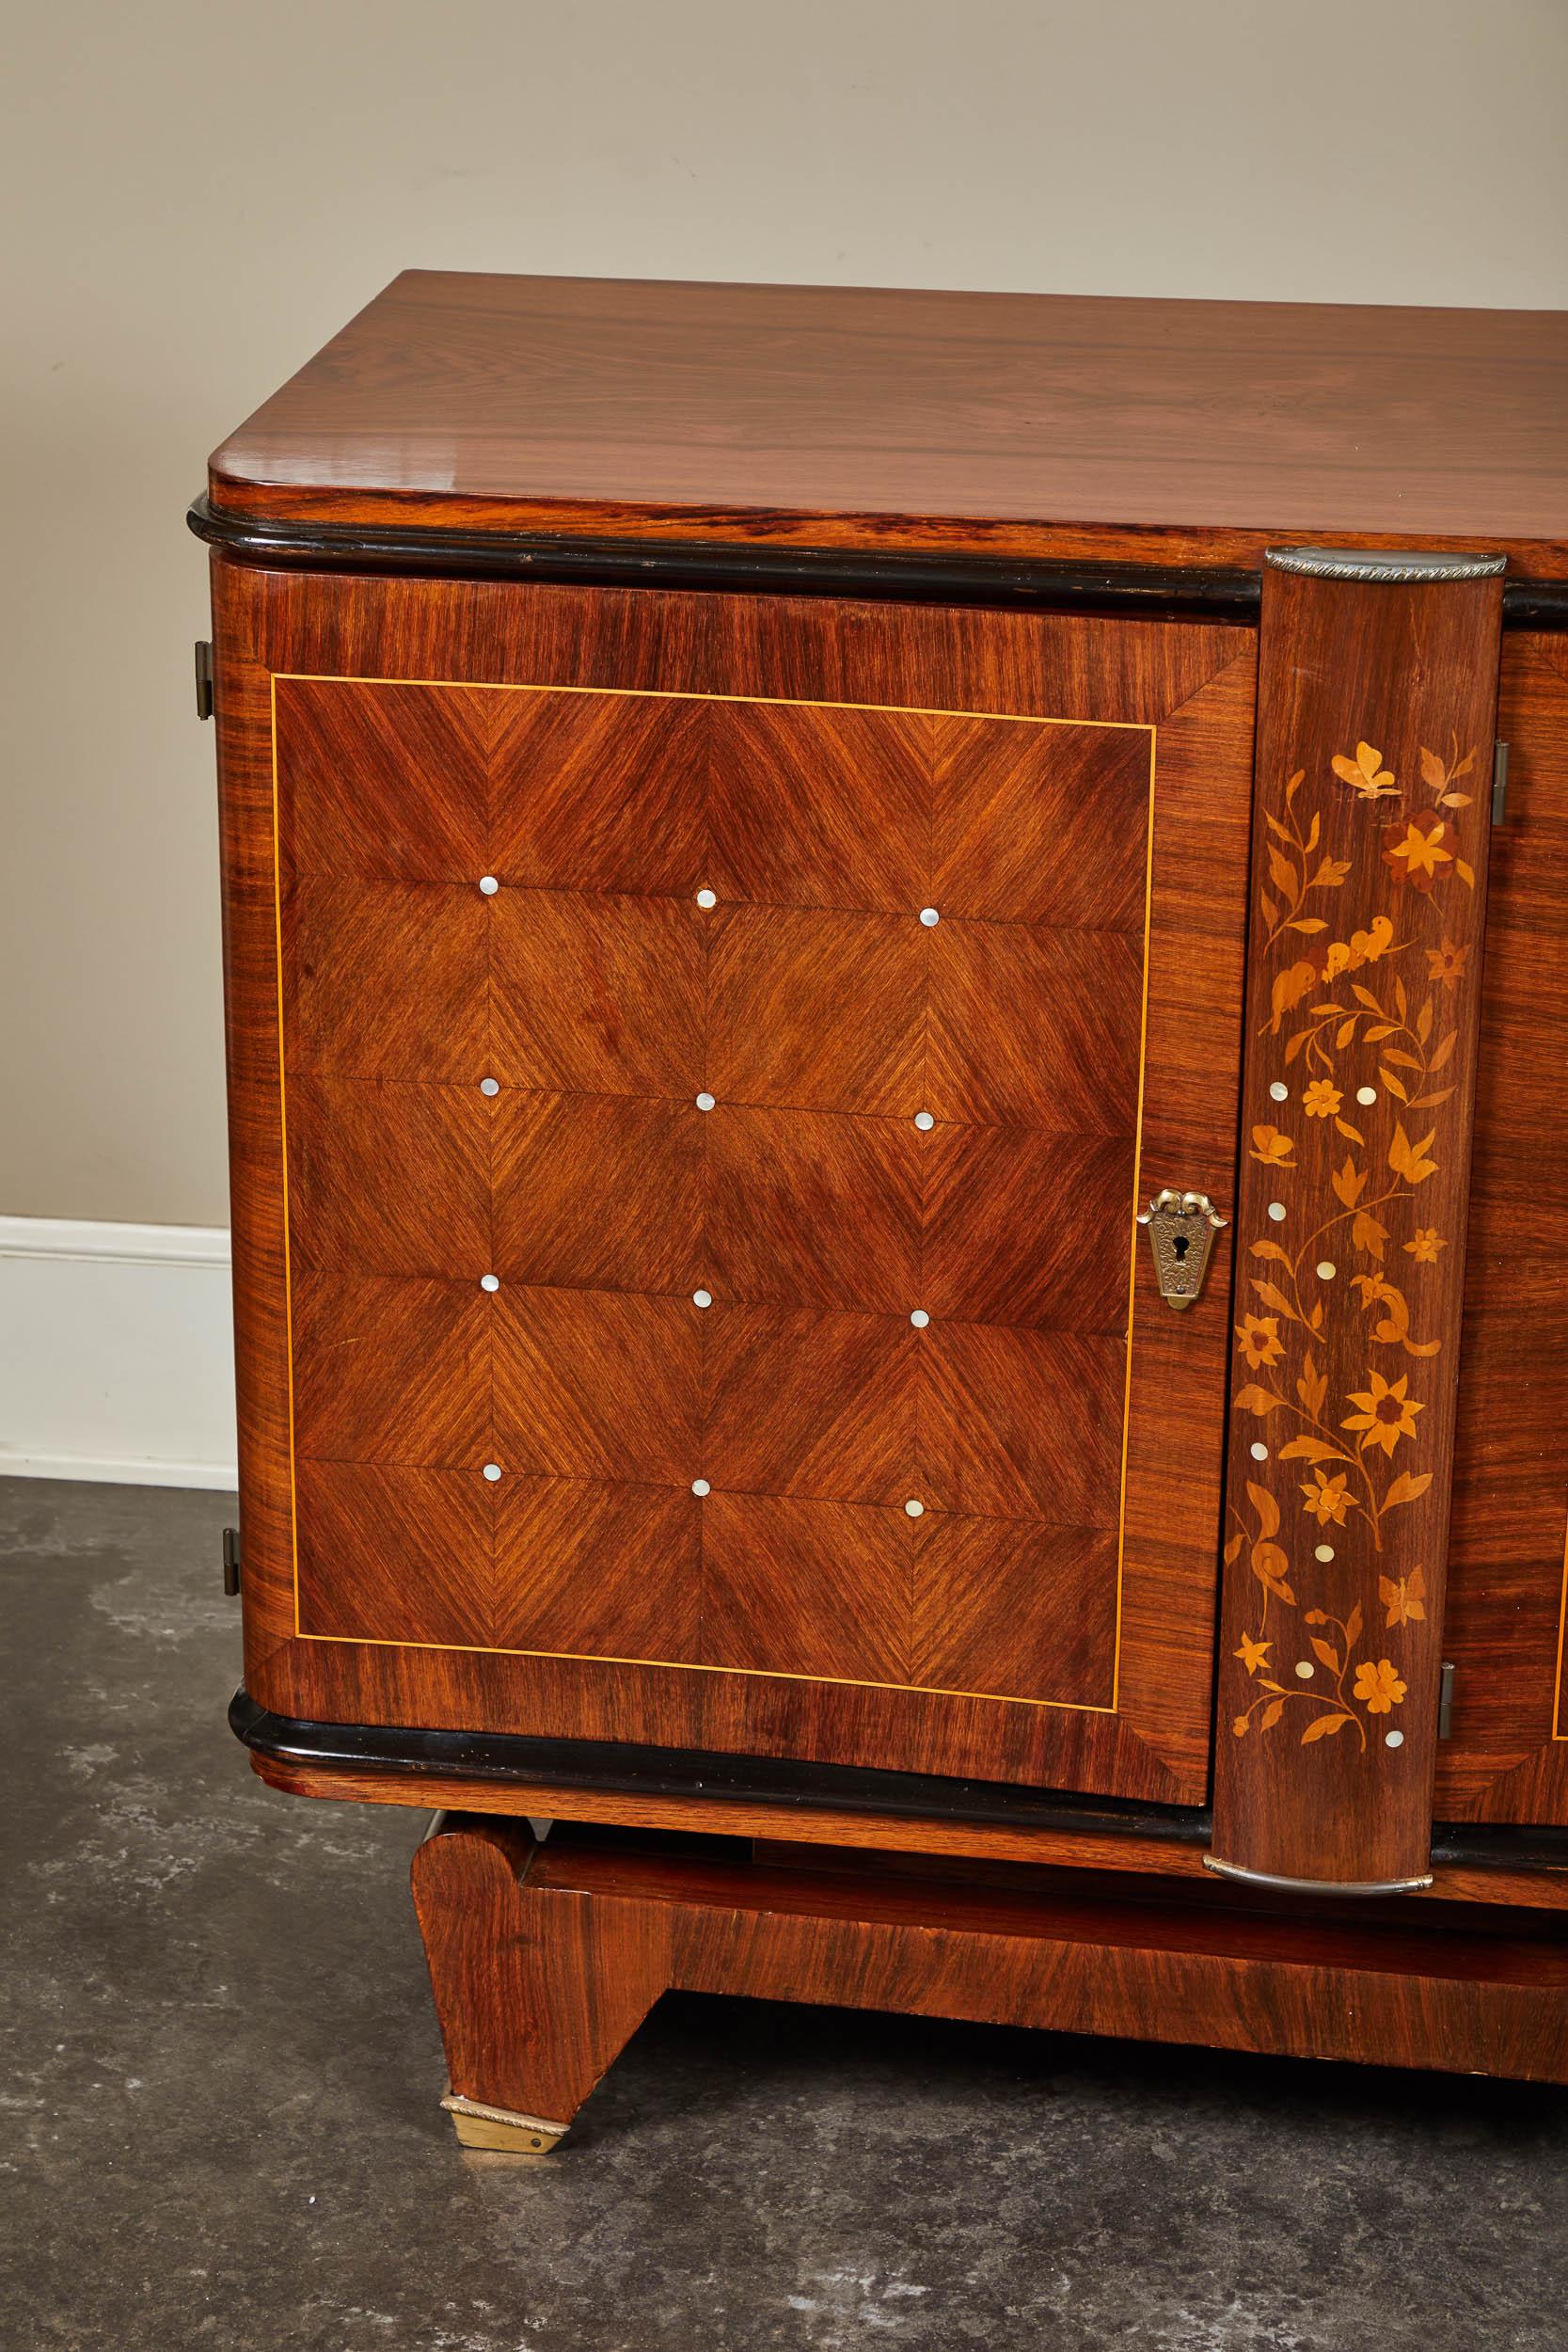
[(1365, 1039)]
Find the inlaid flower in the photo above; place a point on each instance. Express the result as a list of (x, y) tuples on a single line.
[(1252, 1654), (1270, 1147), (1322, 1099), (1403, 1596), (1378, 1687), (1327, 1498), (1447, 963), (1424, 1244), (1415, 854), (1384, 1413), (1258, 1339), (1365, 773)]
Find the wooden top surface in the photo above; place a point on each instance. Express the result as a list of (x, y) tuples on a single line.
[(1055, 427)]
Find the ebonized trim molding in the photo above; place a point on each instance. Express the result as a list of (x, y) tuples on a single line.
[(624, 1770), (1160, 591), (630, 1771), (1163, 593)]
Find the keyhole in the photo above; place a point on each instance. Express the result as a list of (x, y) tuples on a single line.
[(1179, 1243)]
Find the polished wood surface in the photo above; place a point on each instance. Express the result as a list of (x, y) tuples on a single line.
[(799, 1608), (921, 1843), (1371, 842), (545, 1959), (1508, 1573), (1057, 427)]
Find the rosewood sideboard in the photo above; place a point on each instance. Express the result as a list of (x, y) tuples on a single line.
[(898, 1012)]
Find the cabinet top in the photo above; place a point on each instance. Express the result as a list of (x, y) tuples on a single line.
[(1052, 427)]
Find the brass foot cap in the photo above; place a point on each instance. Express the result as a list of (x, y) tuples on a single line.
[(479, 2127)]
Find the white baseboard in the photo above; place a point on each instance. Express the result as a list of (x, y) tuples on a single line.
[(116, 1352)]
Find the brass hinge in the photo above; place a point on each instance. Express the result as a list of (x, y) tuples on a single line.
[(203, 678), (1444, 1703), (230, 1561), (1500, 782)]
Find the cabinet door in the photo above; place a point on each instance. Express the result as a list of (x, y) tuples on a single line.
[(1506, 1629), (695, 1063)]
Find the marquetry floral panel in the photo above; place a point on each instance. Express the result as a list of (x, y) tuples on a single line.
[(1367, 920)]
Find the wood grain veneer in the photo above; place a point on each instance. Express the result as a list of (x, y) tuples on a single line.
[(377, 1377), (1057, 427), (544, 1961), (1508, 1590)]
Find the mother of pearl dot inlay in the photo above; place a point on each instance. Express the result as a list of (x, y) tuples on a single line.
[(1365, 1095), (1326, 1269), (1260, 1451), (1281, 1091), (1305, 1669), (1276, 1210)]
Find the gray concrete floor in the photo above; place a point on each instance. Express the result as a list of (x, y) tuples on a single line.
[(217, 2096)]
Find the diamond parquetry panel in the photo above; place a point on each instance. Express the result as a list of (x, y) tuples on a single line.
[(711, 1140)]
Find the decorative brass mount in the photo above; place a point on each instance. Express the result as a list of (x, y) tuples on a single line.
[(1181, 1229)]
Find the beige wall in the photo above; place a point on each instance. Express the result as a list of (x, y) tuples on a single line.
[(201, 193)]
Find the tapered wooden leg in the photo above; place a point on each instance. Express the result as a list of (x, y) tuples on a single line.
[(534, 2000)]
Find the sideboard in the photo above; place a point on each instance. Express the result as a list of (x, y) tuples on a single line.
[(897, 1006)]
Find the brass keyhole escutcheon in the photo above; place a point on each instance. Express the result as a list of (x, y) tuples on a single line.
[(1181, 1228)]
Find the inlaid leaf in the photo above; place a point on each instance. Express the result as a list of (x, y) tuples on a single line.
[(1322, 1726), (1270, 1249), (1433, 775), (1270, 911), (1271, 1715), (1312, 1387), (1275, 1298), (1443, 1051), (1252, 1399), (1467, 873), (1308, 923), (1281, 873), (1409, 1159), (1325, 1654), (1266, 1508), (1395, 1086), (1408, 1488), (1353, 1627), (1367, 1234), (1311, 1449), (1349, 1183)]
